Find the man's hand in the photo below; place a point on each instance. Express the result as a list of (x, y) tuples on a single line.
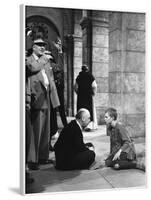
[(43, 59), (90, 146), (117, 155), (58, 45), (48, 55)]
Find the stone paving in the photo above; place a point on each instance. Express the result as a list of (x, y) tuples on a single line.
[(47, 179)]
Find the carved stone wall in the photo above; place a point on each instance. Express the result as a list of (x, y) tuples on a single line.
[(112, 44), (127, 69), (100, 60)]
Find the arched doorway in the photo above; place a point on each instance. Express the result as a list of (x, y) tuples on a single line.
[(42, 27)]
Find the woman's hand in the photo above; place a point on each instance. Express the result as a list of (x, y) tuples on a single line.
[(117, 155)]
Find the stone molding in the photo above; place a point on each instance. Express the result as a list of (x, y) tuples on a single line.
[(85, 22), (102, 22)]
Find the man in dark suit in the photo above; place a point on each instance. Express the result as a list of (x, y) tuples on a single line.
[(70, 150), (42, 92)]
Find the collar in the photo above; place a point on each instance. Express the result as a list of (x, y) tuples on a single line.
[(79, 125), (115, 124), (35, 56)]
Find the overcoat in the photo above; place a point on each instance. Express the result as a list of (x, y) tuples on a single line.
[(40, 97)]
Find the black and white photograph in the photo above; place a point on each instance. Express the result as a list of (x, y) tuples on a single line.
[(75, 100), (84, 73)]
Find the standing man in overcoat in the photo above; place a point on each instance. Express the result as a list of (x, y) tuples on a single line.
[(43, 92)]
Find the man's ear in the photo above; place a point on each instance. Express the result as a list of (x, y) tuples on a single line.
[(112, 118), (33, 47), (82, 119)]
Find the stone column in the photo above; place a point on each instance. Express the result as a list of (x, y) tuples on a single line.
[(95, 54), (86, 25), (69, 61), (100, 60), (77, 62), (127, 69)]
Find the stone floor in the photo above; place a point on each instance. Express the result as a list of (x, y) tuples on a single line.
[(47, 179)]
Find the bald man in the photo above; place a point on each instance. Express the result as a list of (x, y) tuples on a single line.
[(70, 150)]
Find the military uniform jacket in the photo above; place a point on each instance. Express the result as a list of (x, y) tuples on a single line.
[(38, 94)]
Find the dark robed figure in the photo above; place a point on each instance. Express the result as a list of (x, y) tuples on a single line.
[(84, 87)]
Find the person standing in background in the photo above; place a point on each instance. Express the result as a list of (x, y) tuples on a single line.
[(86, 88)]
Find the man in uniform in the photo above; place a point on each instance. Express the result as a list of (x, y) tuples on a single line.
[(43, 93)]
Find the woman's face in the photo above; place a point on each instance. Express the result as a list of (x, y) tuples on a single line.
[(108, 119)]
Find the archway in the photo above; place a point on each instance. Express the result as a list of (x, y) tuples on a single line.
[(42, 27)]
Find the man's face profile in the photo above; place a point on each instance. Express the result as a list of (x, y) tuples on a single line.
[(85, 119), (39, 48)]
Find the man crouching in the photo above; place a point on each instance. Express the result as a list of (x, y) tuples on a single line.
[(70, 151)]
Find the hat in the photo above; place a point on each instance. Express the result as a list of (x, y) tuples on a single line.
[(39, 41)]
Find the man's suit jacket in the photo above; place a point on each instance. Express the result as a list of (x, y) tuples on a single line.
[(69, 143), (39, 95)]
